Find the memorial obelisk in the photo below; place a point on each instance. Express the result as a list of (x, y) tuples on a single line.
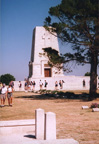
[(38, 65)]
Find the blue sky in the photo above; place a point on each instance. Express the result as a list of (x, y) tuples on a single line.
[(18, 18)]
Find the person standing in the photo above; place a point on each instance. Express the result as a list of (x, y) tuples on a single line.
[(0, 87), (34, 85), (56, 85), (46, 83), (12, 84), (25, 86), (31, 86), (9, 95), (3, 95), (20, 85), (41, 84), (60, 83), (84, 83)]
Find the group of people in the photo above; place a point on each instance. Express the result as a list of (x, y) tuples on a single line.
[(30, 85), (41, 84), (6, 92), (60, 84)]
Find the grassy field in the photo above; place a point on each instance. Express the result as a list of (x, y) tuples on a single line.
[(72, 121)]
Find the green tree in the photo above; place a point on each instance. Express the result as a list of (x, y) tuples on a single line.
[(77, 22), (6, 78), (87, 74)]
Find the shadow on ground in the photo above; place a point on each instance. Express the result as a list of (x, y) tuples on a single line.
[(57, 95)]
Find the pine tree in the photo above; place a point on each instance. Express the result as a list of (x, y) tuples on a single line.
[(77, 22)]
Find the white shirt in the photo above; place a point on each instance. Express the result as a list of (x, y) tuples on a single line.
[(9, 89), (4, 90), (40, 83)]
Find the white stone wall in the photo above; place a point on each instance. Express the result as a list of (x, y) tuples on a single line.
[(71, 83), (16, 86)]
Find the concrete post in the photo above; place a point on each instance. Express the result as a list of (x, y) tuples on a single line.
[(39, 124), (50, 126)]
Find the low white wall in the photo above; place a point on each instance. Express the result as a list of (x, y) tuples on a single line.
[(16, 86), (71, 83), (16, 127)]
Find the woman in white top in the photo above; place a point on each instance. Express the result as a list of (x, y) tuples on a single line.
[(9, 94), (3, 95), (41, 84)]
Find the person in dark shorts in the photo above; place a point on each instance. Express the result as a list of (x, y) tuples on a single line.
[(60, 84), (9, 95), (84, 83), (56, 85), (45, 84)]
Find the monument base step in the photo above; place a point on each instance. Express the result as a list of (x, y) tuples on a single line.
[(28, 139)]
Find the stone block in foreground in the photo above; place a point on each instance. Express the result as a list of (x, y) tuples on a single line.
[(95, 110), (50, 126), (39, 124), (85, 107)]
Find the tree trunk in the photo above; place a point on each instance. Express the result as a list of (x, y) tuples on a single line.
[(93, 76)]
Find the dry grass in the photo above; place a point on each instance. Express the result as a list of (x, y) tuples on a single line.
[(72, 121)]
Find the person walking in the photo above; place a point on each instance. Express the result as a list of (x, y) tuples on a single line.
[(9, 95), (45, 84), (41, 84), (3, 95)]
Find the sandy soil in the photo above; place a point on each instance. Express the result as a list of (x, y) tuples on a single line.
[(72, 121)]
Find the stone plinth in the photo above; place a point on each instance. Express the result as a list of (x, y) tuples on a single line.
[(95, 110), (39, 124), (50, 126), (85, 107)]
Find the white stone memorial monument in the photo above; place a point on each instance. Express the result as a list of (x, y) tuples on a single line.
[(38, 65)]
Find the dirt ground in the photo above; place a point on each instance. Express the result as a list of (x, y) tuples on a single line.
[(72, 120)]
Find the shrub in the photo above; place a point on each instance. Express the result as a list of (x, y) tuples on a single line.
[(94, 105)]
